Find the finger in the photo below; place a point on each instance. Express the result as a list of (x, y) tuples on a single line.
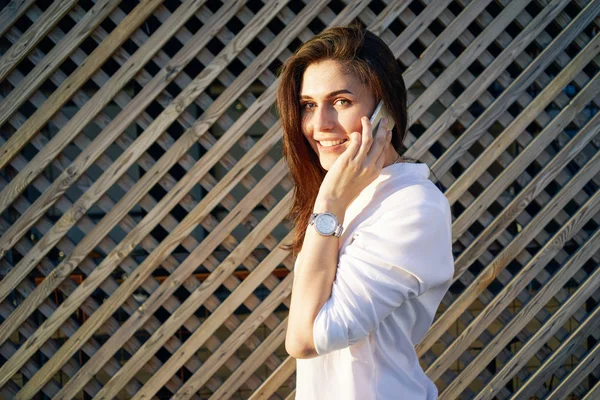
[(367, 139), (380, 161), (354, 146)]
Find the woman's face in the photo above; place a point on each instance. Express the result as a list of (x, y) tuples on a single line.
[(332, 104)]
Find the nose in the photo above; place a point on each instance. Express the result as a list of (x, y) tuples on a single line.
[(323, 119)]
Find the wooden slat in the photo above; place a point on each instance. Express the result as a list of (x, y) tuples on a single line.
[(528, 194), (593, 393), (275, 380), (71, 85), (152, 174), (198, 338), (4, 289), (129, 286), (190, 305), (442, 123), (99, 100), (213, 198), (530, 153), (557, 358), (256, 358), (508, 253), (96, 149), (524, 80), (518, 283), (89, 305), (12, 12), (33, 36), (442, 42), (433, 91), (520, 123), (254, 361), (417, 26), (106, 287), (582, 370), (542, 335)]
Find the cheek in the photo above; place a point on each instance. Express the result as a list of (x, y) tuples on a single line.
[(351, 123)]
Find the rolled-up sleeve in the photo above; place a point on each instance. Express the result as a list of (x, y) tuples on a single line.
[(404, 252)]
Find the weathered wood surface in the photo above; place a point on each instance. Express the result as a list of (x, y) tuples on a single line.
[(143, 195)]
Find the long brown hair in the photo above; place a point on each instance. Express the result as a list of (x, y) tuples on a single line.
[(366, 56)]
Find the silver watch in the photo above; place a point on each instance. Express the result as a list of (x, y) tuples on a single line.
[(326, 224)]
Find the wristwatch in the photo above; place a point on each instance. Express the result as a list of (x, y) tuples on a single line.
[(326, 224)]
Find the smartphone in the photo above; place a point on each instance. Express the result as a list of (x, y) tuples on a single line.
[(379, 113)]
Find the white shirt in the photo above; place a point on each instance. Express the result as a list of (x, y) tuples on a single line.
[(394, 266)]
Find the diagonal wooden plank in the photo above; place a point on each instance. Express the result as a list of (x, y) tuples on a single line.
[(511, 290), (150, 173), (12, 12), (236, 379), (87, 267), (197, 339), (387, 16), (64, 136), (174, 279), (69, 87), (529, 154), (40, 161), (418, 25), (88, 307), (481, 42), (184, 312), (91, 153), (443, 41), (493, 151), (556, 360), (275, 380), (442, 123), (256, 358), (489, 273), (594, 392), (127, 288), (582, 370), (588, 133), (33, 36), (542, 335), (509, 95)]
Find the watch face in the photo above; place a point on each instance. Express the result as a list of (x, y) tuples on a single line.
[(325, 223)]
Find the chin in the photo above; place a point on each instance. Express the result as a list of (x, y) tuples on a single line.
[(327, 164)]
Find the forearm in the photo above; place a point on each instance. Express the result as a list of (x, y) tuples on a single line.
[(313, 280)]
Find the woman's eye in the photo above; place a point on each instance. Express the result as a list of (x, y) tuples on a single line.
[(307, 106), (342, 102)]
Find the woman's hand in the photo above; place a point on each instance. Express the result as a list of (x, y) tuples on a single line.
[(356, 167)]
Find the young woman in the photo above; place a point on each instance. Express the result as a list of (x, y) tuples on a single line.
[(373, 233)]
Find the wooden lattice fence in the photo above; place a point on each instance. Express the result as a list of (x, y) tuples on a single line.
[(143, 194)]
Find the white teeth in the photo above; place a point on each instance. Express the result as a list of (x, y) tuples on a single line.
[(329, 144)]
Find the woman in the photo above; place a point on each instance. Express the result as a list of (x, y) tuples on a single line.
[(373, 234)]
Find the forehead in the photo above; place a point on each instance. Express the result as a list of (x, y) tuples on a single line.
[(325, 77)]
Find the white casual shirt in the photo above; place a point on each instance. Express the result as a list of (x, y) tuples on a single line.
[(395, 265)]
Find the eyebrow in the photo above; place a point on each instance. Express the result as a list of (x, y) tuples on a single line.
[(330, 94)]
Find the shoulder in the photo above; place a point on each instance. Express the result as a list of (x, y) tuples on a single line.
[(413, 194)]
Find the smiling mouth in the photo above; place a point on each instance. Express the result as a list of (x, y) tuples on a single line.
[(331, 149), (331, 145)]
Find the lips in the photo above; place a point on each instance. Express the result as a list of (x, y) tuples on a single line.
[(331, 149)]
